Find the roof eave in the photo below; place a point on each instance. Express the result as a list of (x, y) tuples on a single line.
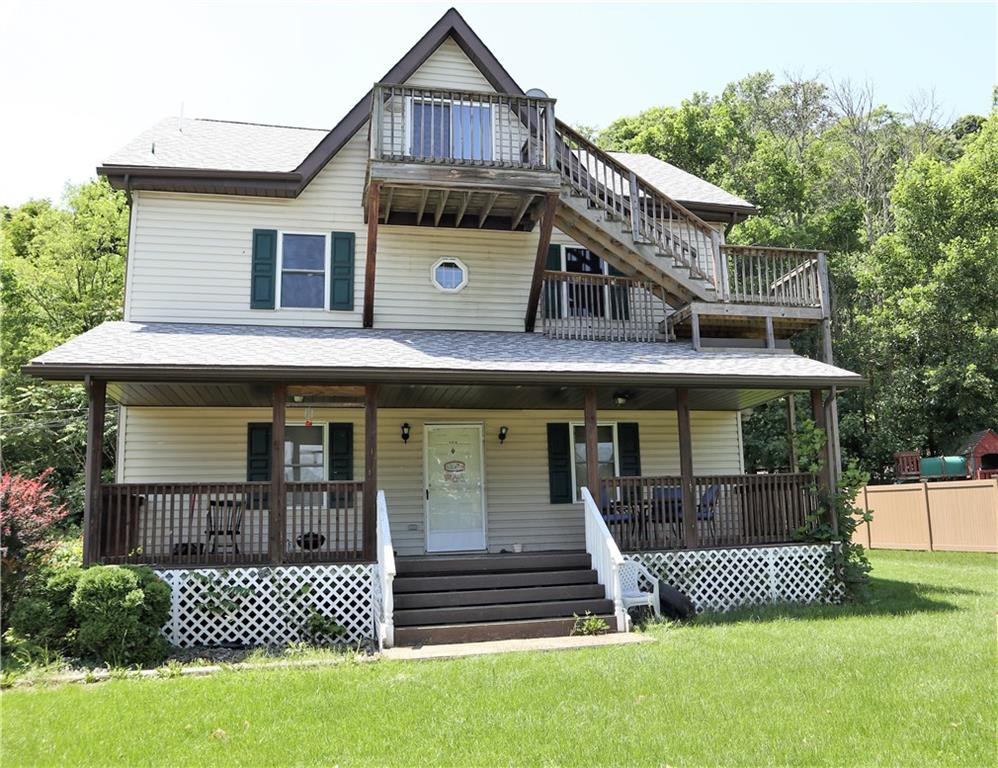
[(78, 372), (202, 180)]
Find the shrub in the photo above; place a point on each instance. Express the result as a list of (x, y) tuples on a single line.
[(120, 611), (28, 512)]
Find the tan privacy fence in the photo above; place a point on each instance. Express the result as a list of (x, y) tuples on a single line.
[(958, 516)]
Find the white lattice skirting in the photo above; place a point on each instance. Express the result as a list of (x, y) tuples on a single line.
[(723, 579), (257, 606)]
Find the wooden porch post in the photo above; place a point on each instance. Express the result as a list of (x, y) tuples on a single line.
[(373, 210), (370, 509), (96, 395), (592, 445), (791, 432), (818, 413), (686, 468), (543, 241), (278, 497)]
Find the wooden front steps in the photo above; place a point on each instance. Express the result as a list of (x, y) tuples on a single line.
[(468, 598)]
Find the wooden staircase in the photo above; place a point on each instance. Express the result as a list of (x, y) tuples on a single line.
[(633, 226), (469, 598)]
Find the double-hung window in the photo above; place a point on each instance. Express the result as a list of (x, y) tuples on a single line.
[(450, 130), (303, 260), (304, 458), (606, 451)]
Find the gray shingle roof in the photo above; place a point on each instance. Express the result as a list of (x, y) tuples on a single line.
[(259, 351), (219, 145), (677, 183)]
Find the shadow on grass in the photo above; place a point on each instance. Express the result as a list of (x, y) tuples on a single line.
[(886, 598)]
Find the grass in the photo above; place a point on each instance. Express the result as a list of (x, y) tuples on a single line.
[(906, 679)]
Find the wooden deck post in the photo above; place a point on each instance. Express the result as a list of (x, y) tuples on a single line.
[(792, 432), (592, 445), (819, 413), (370, 509), (277, 528), (540, 260), (686, 468), (96, 395), (370, 266)]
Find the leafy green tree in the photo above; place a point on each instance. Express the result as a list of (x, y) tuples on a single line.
[(62, 273)]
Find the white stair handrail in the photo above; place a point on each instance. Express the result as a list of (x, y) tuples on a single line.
[(605, 556), (386, 574)]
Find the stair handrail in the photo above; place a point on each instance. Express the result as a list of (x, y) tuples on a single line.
[(644, 206), (606, 557), (385, 570)]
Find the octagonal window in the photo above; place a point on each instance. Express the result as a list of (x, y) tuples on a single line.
[(449, 275)]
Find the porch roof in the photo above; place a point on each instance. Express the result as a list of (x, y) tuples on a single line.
[(213, 352)]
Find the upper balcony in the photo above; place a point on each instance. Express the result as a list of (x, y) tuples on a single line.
[(459, 158)]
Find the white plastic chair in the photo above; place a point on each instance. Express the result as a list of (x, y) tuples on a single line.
[(632, 595)]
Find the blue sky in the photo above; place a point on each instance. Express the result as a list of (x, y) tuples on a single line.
[(89, 76)]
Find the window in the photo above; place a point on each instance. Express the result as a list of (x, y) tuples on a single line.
[(607, 453), (303, 271), (449, 275), (609, 301), (304, 458), (451, 130)]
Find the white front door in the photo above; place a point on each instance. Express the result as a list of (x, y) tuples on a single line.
[(455, 489)]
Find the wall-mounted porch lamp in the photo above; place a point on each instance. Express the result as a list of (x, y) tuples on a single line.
[(405, 432), (503, 432)]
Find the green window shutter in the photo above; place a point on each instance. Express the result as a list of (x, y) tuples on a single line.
[(559, 464), (258, 452), (340, 451), (263, 275), (341, 271), (552, 293), (630, 448)]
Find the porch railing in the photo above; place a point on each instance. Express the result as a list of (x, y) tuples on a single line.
[(647, 512), (599, 307), (458, 127), (385, 575), (229, 523), (781, 276), (605, 555)]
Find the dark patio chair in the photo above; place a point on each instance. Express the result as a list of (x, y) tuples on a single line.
[(222, 524)]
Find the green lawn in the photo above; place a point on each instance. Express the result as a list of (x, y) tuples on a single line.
[(907, 679)]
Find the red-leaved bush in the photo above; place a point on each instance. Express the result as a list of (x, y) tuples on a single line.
[(28, 512)]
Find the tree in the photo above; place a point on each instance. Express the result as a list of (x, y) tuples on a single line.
[(62, 274)]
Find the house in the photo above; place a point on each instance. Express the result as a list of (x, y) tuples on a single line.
[(437, 372)]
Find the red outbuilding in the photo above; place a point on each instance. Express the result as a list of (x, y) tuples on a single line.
[(981, 452)]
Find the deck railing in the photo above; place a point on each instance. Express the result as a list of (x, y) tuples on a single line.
[(459, 127), (229, 523), (649, 215), (605, 556), (599, 307), (780, 276), (646, 513)]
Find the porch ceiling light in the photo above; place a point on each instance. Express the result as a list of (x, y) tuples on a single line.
[(503, 432), (620, 398), (405, 432)]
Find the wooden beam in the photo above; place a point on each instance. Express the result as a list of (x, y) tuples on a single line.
[(592, 444), (820, 421), (422, 206), (521, 210), (373, 205), (686, 468), (792, 432), (770, 336), (695, 329), (92, 512), (462, 208), (540, 261), (388, 203), (327, 390), (278, 503), (487, 209), (370, 500), (441, 202)]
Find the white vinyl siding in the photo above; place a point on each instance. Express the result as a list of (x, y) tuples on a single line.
[(209, 444)]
